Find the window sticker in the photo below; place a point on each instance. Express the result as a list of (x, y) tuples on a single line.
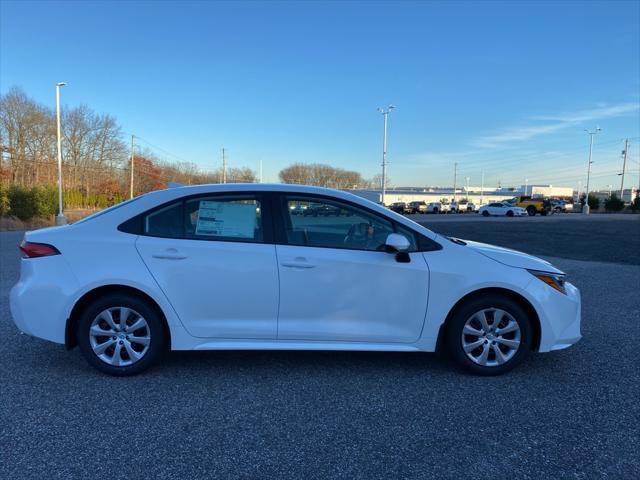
[(226, 219)]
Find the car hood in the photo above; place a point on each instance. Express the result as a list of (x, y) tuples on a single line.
[(512, 258)]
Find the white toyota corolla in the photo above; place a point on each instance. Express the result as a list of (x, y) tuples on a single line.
[(234, 267)]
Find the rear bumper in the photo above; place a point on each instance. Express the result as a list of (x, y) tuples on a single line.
[(39, 301)]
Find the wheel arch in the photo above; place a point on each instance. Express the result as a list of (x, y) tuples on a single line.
[(70, 339), (522, 301)]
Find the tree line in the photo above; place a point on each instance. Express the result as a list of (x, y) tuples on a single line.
[(95, 155)]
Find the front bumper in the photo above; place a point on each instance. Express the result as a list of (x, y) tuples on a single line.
[(560, 315)]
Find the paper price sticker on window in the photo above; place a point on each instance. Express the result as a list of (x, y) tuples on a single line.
[(226, 219)]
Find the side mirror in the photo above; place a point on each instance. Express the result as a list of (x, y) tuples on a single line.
[(398, 244)]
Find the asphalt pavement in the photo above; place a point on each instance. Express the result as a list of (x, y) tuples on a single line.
[(567, 414)]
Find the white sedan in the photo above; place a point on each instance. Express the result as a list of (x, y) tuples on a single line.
[(218, 267), (502, 208)]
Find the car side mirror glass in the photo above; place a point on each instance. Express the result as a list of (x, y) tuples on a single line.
[(397, 243)]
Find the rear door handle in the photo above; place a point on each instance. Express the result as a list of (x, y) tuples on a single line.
[(169, 254)]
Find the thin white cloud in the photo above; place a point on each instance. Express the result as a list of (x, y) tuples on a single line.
[(554, 123)]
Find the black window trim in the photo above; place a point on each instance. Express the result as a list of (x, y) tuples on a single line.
[(135, 225), (423, 243)]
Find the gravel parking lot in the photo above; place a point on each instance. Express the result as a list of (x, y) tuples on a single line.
[(568, 414)]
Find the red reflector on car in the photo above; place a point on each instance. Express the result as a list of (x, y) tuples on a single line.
[(32, 250)]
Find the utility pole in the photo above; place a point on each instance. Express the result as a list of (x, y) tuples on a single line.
[(224, 167), (467, 192), (260, 170), (585, 209), (133, 150), (482, 190), (60, 218), (526, 186), (385, 114), (455, 174), (624, 166)]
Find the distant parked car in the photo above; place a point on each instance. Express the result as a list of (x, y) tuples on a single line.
[(321, 210), (434, 207), (502, 208), (560, 206), (400, 207), (418, 207), (454, 207), (471, 207), (446, 207), (297, 209)]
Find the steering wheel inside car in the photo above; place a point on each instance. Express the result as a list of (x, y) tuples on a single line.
[(363, 235)]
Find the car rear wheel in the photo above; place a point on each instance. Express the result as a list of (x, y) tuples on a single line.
[(531, 210), (121, 334), (485, 213), (489, 335), (510, 213)]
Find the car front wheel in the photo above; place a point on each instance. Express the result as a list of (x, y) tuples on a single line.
[(485, 213), (121, 334), (489, 335)]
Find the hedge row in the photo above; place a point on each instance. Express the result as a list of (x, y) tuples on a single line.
[(26, 203)]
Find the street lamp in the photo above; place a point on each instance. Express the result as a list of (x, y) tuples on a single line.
[(385, 114), (585, 208), (468, 178), (60, 218)]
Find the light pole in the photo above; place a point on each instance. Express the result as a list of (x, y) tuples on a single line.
[(60, 218), (385, 114), (585, 208), (467, 192), (526, 186)]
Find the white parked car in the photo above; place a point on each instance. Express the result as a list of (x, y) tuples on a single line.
[(434, 207), (218, 267), (502, 208)]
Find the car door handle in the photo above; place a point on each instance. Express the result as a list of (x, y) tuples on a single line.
[(298, 264), (169, 254)]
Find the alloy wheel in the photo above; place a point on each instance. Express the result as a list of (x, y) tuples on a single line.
[(491, 337), (119, 336)]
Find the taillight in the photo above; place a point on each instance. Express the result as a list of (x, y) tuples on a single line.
[(32, 250)]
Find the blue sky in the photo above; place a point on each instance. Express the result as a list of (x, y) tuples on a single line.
[(507, 88)]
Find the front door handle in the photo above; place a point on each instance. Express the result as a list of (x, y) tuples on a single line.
[(298, 263), (169, 254)]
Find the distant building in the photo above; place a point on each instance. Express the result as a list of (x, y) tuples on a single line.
[(475, 194), (628, 194)]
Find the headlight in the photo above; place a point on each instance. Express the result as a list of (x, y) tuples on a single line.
[(554, 280)]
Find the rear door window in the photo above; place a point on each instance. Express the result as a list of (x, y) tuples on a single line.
[(237, 218)]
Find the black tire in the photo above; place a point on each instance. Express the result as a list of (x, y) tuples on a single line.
[(158, 337), (531, 210), (485, 213), (435, 210), (510, 213), (453, 339)]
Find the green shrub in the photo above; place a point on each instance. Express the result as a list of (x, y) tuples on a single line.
[(22, 203), (613, 203), (4, 201), (594, 202), (46, 200)]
